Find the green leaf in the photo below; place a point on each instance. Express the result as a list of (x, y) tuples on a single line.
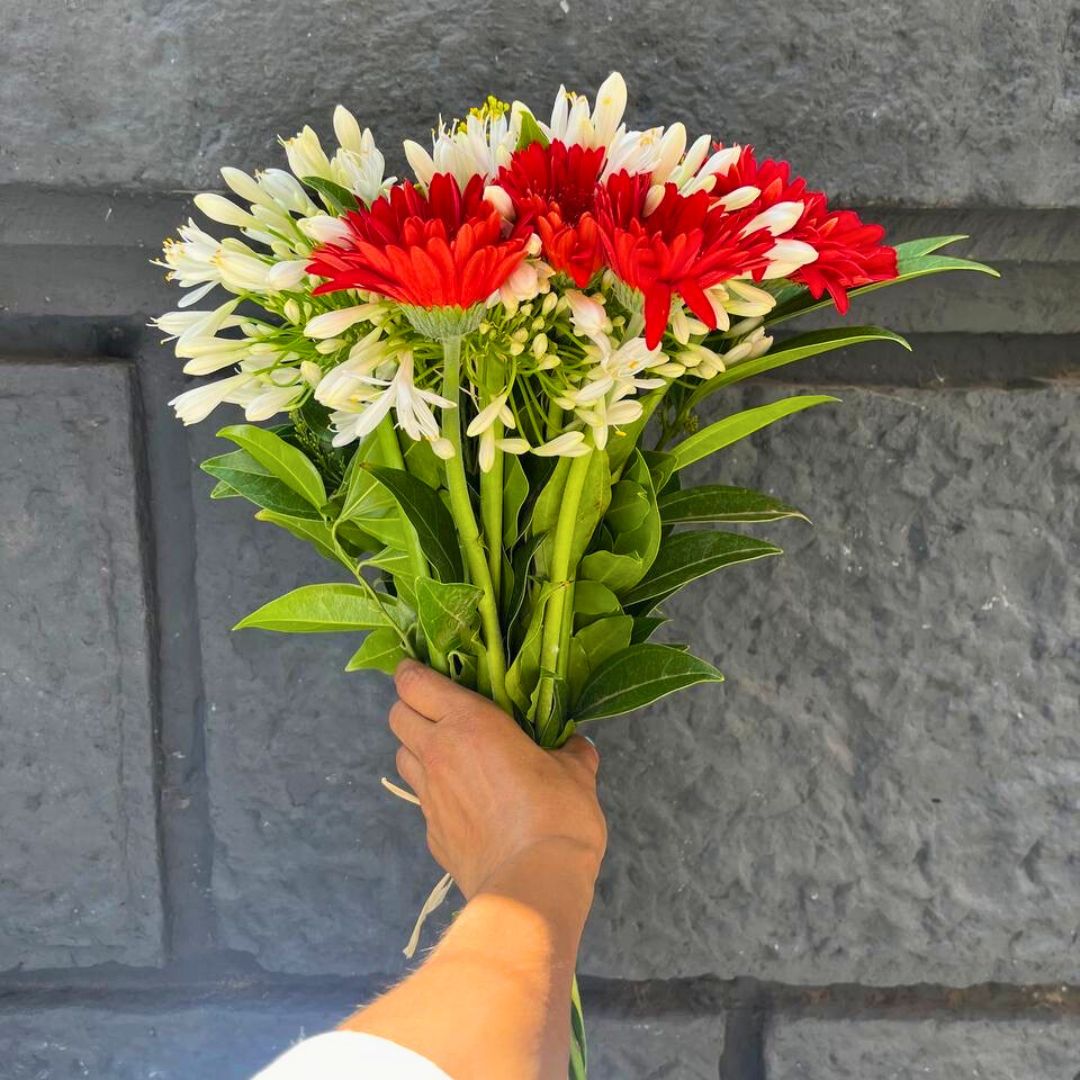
[(316, 533), (530, 131), (221, 490), (638, 676), (520, 571), (429, 516), (595, 495), (398, 565), (523, 674), (515, 494), (914, 260), (422, 462), (315, 609), (244, 476), (593, 644), (796, 348), (288, 464), (686, 556), (593, 600), (661, 467), (616, 572), (645, 626), (733, 428), (381, 651), (448, 613), (336, 198), (715, 502), (623, 442)]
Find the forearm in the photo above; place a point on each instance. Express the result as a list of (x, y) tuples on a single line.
[(493, 999)]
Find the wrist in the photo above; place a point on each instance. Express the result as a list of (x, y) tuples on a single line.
[(555, 869)]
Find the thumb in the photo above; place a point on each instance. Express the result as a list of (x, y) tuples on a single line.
[(583, 751)]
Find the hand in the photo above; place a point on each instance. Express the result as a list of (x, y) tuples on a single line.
[(491, 797)]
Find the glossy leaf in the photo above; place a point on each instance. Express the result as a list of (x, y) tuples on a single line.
[(330, 608), (793, 349), (246, 477), (428, 516), (221, 490), (515, 494), (336, 198), (593, 644), (645, 626), (316, 533), (686, 556), (448, 613), (288, 464), (715, 502), (733, 428), (592, 601), (915, 259), (381, 651), (530, 131), (638, 676)]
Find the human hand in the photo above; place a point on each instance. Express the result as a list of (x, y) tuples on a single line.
[(492, 797)]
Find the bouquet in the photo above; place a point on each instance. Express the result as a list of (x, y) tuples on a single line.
[(482, 384)]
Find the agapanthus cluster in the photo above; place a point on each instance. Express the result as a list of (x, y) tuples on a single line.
[(578, 262)]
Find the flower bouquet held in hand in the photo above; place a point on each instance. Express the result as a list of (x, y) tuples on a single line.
[(482, 384)]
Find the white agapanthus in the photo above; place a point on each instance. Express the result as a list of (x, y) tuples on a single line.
[(483, 428), (198, 403), (479, 146), (190, 262), (373, 397)]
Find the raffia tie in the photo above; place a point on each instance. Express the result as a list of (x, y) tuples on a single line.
[(437, 895)]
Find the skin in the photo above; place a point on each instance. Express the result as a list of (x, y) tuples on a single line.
[(522, 833)]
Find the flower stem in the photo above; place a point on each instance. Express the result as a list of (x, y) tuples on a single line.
[(391, 450), (491, 500), (469, 535), (554, 654)]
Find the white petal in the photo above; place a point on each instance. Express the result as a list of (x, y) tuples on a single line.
[(609, 109), (563, 445), (347, 130), (420, 161), (331, 323), (778, 219), (222, 210)]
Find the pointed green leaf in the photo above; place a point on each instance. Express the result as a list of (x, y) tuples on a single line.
[(593, 644), (638, 676), (515, 494), (429, 517), (593, 600), (686, 556), (616, 572), (715, 502), (316, 533), (336, 198), (914, 260), (244, 476), (330, 608), (796, 348), (645, 626), (288, 464), (737, 426), (530, 131), (448, 613), (381, 651), (221, 490)]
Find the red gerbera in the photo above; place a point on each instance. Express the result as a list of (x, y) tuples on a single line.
[(440, 249), (687, 244), (553, 189), (849, 252)]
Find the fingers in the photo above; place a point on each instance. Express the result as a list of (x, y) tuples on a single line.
[(409, 726), (583, 751), (410, 770), (434, 695)]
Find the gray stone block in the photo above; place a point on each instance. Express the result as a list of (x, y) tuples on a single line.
[(671, 1047), (884, 791), (922, 102), (78, 866), (999, 1049), (201, 1042), (316, 867)]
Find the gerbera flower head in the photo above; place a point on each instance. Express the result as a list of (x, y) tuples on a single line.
[(553, 192), (439, 254), (686, 245)]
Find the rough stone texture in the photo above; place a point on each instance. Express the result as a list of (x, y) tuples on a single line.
[(204, 1042), (78, 872), (316, 867), (923, 1049), (661, 1049), (926, 102), (885, 789)]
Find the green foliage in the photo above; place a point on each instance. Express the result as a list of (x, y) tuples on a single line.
[(449, 614), (336, 198), (290, 465), (530, 131), (733, 428), (637, 676), (241, 475), (320, 609), (381, 651), (715, 502)]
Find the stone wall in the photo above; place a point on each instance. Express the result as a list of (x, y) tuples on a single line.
[(855, 859)]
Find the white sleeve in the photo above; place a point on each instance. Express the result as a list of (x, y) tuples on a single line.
[(350, 1055)]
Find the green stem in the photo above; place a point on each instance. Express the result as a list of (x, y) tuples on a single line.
[(391, 450), (491, 499), (469, 535), (553, 656)]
